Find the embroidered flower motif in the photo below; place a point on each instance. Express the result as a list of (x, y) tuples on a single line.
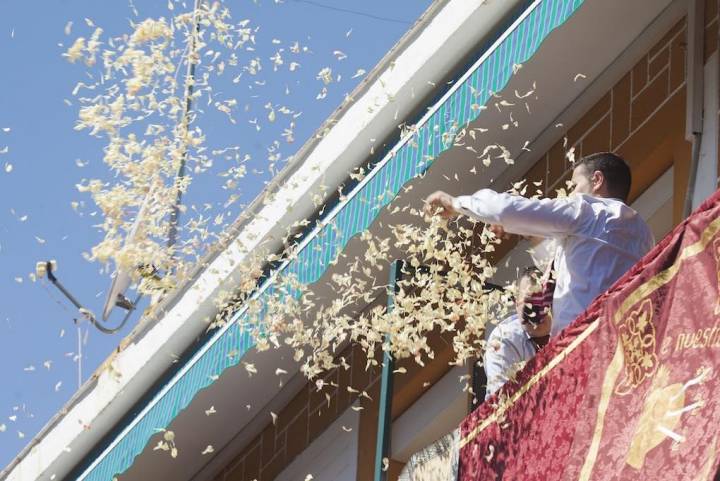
[(637, 338)]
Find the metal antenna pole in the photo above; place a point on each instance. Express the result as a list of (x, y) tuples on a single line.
[(48, 270), (120, 300), (189, 89), (80, 354)]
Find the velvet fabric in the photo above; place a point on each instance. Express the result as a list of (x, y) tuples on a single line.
[(629, 390)]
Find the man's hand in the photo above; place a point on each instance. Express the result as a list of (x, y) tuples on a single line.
[(440, 203), (498, 230)]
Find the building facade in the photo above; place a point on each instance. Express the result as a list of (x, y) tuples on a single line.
[(548, 80)]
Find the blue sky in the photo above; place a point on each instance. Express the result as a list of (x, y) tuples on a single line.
[(46, 158)]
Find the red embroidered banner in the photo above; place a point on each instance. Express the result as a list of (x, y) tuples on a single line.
[(631, 390)]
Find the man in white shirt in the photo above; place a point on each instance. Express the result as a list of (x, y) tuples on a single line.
[(518, 337), (598, 236)]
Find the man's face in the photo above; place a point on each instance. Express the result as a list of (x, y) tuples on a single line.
[(526, 286), (582, 181)]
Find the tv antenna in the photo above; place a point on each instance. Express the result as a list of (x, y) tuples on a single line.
[(122, 279)]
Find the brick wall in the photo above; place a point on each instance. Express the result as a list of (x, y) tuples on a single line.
[(622, 112), (307, 415), (301, 421), (642, 118), (651, 93)]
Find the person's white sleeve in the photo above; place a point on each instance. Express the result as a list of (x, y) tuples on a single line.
[(501, 361), (543, 253), (523, 216)]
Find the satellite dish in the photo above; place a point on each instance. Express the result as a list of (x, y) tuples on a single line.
[(122, 279)]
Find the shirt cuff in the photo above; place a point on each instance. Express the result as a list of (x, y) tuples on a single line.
[(461, 203)]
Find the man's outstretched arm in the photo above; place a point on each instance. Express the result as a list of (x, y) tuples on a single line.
[(516, 214)]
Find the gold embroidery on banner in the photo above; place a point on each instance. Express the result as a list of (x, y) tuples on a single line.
[(641, 292), (716, 254), (655, 425), (661, 414), (667, 275), (702, 338), (504, 406), (611, 375), (637, 338)]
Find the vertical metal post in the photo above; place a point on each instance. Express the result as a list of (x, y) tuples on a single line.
[(382, 449), (185, 125), (80, 354), (695, 68), (695, 93)]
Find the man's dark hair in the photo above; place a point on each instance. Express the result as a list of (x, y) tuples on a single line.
[(614, 169)]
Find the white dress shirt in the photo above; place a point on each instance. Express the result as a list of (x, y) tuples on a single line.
[(598, 240), (508, 348)]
